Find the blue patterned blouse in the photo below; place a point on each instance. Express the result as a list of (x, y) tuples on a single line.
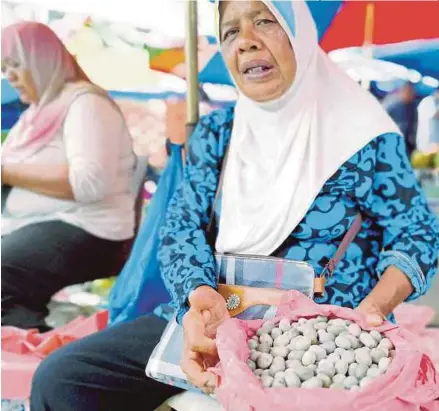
[(378, 181)]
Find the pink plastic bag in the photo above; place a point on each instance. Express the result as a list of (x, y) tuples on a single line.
[(410, 384), (23, 350), (416, 318)]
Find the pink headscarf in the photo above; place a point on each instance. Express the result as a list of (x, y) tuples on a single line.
[(58, 79)]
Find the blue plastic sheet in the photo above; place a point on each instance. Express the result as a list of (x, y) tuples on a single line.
[(139, 288)]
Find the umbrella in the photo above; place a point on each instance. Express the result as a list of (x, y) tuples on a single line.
[(420, 55), (386, 21)]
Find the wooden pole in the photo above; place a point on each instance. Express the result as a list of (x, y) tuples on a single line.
[(191, 54), (368, 37)]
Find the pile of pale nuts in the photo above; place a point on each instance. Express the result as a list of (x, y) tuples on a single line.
[(318, 352)]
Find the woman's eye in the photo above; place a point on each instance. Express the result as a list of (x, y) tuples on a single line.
[(264, 22), (229, 33)]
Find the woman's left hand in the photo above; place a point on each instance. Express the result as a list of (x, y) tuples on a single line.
[(391, 290), (372, 311)]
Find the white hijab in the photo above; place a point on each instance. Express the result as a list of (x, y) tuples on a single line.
[(282, 152)]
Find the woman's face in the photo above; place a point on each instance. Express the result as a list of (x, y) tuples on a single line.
[(21, 79), (256, 50)]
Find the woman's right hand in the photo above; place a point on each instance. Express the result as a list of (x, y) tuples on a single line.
[(207, 311)]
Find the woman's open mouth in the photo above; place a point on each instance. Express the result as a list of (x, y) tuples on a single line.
[(256, 69), (258, 72)]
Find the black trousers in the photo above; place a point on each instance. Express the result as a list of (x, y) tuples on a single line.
[(103, 372), (40, 259)]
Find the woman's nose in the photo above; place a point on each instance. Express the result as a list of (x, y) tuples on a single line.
[(247, 39)]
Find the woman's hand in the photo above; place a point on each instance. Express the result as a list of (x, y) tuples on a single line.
[(391, 290), (208, 310), (49, 179)]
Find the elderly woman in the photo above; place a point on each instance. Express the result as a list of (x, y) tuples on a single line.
[(307, 151), (68, 165)]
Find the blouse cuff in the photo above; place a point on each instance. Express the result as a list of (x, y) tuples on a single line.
[(183, 309), (408, 266)]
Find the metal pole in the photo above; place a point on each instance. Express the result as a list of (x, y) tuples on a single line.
[(191, 54)]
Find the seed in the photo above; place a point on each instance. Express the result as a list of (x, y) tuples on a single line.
[(343, 342), (284, 324), (251, 364), (254, 355), (313, 382), (264, 348), (367, 340), (321, 326), (349, 382), (373, 372), (303, 343), (338, 378), (265, 360), (377, 354), (304, 373), (292, 379), (296, 355), (383, 365), (362, 356), (341, 367), (376, 335), (282, 340), (386, 343), (279, 383), (348, 357), (279, 351), (338, 322), (355, 330), (352, 371), (279, 375), (267, 381), (252, 344), (309, 358), (293, 364), (325, 336), (334, 358), (329, 346), (325, 379), (268, 326), (361, 371), (326, 367), (277, 365), (336, 330), (311, 334), (275, 332), (319, 351)]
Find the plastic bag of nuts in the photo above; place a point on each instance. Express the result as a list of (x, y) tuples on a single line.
[(321, 357)]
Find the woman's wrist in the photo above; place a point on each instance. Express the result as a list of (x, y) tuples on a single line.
[(391, 290)]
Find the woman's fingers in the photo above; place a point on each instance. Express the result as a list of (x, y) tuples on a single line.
[(372, 312), (195, 334), (192, 364)]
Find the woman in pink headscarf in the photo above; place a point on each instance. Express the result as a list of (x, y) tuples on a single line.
[(69, 165)]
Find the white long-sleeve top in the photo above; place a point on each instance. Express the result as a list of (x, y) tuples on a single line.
[(96, 145)]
